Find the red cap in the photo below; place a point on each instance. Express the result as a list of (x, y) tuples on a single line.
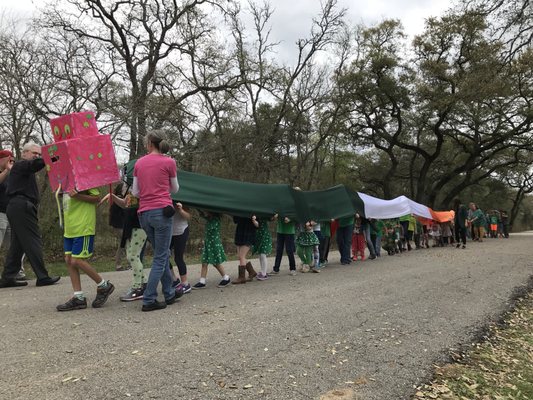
[(5, 153)]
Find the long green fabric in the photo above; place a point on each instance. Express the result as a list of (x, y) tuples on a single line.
[(323, 205), (245, 199)]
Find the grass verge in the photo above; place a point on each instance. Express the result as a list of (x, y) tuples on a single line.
[(501, 367)]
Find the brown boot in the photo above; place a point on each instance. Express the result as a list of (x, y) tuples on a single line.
[(251, 271), (242, 275)]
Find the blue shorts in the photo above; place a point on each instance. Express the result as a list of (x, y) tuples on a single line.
[(79, 247)]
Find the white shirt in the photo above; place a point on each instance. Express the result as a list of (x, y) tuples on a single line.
[(179, 224)]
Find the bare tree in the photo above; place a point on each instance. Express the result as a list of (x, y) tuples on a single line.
[(140, 37), (281, 99), (20, 70)]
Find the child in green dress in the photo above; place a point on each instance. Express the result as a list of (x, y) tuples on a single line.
[(213, 251), (305, 243), (262, 245)]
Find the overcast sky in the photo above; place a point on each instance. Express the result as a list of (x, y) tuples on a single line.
[(292, 18)]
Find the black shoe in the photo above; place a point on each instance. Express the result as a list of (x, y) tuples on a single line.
[(224, 282), (180, 291), (49, 280), (372, 256), (172, 300), (72, 304), (102, 294), (12, 283), (199, 285), (156, 305)]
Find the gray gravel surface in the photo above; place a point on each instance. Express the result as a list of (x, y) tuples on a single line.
[(375, 326)]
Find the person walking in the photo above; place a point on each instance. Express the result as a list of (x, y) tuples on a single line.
[(460, 222), (154, 178), (344, 238), (23, 201), (479, 221), (285, 234), (79, 210)]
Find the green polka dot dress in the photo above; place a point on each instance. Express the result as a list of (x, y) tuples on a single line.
[(307, 238), (263, 239), (213, 251)]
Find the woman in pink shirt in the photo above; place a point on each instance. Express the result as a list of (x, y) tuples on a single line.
[(154, 178)]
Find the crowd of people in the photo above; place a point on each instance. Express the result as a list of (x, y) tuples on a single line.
[(150, 215)]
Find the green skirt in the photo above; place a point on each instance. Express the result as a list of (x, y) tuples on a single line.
[(263, 239), (307, 239)]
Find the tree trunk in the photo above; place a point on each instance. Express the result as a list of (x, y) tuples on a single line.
[(517, 201)]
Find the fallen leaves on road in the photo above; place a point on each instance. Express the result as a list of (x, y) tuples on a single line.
[(339, 394)]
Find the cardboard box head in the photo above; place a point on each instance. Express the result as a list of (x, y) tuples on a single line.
[(73, 126), (82, 163)]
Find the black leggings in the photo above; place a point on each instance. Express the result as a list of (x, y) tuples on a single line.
[(178, 243), (460, 234)]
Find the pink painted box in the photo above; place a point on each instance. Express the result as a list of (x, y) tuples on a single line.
[(75, 125), (82, 158)]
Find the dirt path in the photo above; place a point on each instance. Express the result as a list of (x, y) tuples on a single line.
[(375, 327)]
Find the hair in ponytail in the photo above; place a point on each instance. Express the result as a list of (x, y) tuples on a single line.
[(158, 139)]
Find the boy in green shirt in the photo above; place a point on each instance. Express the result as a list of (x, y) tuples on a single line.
[(285, 239), (79, 209)]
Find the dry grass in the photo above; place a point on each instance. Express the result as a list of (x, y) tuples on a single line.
[(499, 368)]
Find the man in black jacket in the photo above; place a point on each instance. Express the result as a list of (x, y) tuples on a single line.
[(23, 197)]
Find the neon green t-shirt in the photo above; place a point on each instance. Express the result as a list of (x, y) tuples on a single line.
[(405, 217), (80, 216), (412, 224)]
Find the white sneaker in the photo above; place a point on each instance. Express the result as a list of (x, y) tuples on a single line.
[(21, 276), (292, 272)]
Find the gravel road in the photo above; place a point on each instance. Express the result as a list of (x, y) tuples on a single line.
[(376, 327)]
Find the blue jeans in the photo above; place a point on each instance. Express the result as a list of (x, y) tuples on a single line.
[(369, 243), (158, 229), (376, 241), (344, 243)]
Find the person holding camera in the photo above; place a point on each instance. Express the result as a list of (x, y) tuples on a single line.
[(23, 200)]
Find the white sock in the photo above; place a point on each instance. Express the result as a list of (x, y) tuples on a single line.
[(225, 277), (102, 284), (79, 295), (316, 257), (202, 281), (264, 263)]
